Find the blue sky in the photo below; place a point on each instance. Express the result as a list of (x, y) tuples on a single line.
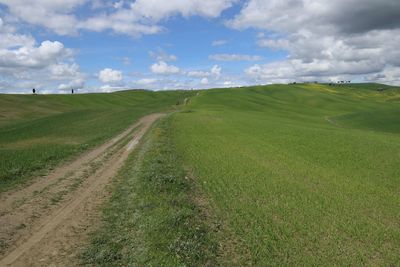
[(56, 45)]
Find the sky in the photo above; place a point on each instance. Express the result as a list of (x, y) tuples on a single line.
[(104, 46)]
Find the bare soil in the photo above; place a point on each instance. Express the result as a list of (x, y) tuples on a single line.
[(47, 222)]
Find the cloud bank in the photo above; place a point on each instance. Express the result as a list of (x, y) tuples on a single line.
[(325, 40)]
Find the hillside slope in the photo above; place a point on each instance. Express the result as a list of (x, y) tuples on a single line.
[(301, 174), (39, 131)]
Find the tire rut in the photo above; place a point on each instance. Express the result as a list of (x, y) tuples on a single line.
[(46, 222)]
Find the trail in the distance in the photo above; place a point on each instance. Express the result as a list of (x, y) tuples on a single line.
[(53, 232)]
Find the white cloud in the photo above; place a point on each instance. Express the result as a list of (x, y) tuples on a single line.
[(162, 67), (389, 75), (156, 10), (64, 70), (123, 21), (9, 39), (198, 73), (32, 57), (331, 57), (25, 64), (161, 55), (108, 75), (324, 39), (55, 15), (118, 5), (75, 84), (235, 57), (277, 44), (204, 81), (130, 18), (229, 84), (216, 71)]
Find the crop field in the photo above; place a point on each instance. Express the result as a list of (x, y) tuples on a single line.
[(152, 218), (39, 131), (302, 175), (277, 175)]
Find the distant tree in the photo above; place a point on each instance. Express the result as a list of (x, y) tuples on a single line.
[(72, 91)]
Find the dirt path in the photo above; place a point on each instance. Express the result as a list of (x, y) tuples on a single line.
[(46, 222)]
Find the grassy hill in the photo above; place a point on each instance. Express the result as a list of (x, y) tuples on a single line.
[(302, 174), (280, 175), (38, 131)]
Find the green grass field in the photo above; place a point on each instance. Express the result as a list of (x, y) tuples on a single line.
[(153, 218), (301, 174), (279, 175), (39, 131)]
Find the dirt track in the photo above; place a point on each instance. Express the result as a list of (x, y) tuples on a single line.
[(46, 222)]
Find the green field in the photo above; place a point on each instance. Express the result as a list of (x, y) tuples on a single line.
[(279, 175), (153, 218), (301, 174), (39, 131)]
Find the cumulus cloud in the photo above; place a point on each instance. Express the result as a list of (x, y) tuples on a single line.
[(122, 21), (32, 57), (65, 70), (214, 72), (187, 79), (161, 55), (198, 73), (162, 67), (135, 18), (9, 39), (350, 16), (390, 75), (25, 64), (118, 5), (108, 75), (204, 81), (75, 84), (156, 10), (235, 57), (55, 15), (324, 39)]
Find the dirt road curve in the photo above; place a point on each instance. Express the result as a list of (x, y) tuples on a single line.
[(46, 222)]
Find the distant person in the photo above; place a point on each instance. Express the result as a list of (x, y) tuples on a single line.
[(72, 91), (34, 91)]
